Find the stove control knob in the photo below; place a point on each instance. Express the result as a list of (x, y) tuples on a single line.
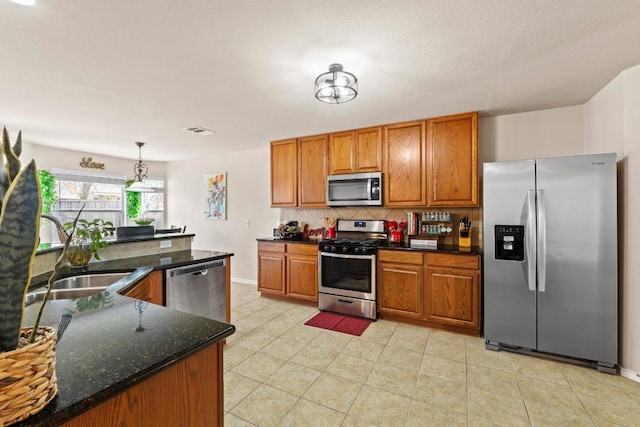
[(332, 248), (345, 249), (357, 250), (366, 250)]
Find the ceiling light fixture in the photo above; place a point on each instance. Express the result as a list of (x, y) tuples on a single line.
[(140, 171), (336, 86)]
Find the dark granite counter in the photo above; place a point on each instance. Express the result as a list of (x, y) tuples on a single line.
[(273, 239), (475, 250), (156, 262), (113, 341), (452, 249), (48, 247)]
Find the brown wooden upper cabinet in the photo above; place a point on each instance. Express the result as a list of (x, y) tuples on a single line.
[(425, 163), (284, 173), (355, 151), (312, 171), (452, 160), (404, 164), (299, 172)]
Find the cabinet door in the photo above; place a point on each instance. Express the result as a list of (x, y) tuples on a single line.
[(342, 154), (400, 289), (452, 296), (284, 173), (404, 164), (156, 287), (452, 160), (369, 150), (312, 171), (141, 291), (302, 277), (271, 272)]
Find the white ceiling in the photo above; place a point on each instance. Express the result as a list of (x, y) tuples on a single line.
[(96, 75)]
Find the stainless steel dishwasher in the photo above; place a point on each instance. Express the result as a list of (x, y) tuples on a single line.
[(199, 289)]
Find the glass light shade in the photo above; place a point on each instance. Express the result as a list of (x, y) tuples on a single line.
[(139, 187), (336, 86)]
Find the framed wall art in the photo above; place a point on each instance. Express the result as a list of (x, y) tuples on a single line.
[(215, 198)]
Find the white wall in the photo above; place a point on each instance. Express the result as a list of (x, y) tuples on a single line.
[(612, 124), (48, 158), (544, 133), (248, 200)]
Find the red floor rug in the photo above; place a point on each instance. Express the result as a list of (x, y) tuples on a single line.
[(339, 323)]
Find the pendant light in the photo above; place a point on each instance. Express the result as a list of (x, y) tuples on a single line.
[(140, 172), (336, 86)]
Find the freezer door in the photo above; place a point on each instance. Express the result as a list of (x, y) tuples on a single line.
[(577, 274), (509, 285)]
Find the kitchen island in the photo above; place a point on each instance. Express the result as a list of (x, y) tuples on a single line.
[(124, 361)]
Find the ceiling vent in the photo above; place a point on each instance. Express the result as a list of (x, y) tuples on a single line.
[(199, 130)]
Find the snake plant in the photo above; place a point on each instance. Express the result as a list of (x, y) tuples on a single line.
[(20, 209)]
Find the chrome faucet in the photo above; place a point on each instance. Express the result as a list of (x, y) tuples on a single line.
[(62, 233)]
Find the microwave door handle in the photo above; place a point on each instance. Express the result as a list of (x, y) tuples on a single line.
[(369, 189)]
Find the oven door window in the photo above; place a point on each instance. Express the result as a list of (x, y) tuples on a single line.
[(347, 273)]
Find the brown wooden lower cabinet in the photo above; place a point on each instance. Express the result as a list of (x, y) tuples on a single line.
[(289, 270), (402, 279), (188, 393), (149, 289), (435, 289), (271, 267)]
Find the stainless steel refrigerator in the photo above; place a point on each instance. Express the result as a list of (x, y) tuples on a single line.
[(550, 257)]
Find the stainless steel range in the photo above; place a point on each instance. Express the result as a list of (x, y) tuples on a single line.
[(347, 268)]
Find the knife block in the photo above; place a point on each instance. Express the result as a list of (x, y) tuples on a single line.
[(464, 237)]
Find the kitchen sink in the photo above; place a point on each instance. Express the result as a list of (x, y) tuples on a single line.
[(55, 294), (75, 287), (88, 281)]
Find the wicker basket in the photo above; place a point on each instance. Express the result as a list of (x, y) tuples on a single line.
[(27, 377)]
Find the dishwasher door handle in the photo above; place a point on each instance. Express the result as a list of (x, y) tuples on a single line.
[(200, 273)]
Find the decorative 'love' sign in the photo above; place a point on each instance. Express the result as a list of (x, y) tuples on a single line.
[(88, 163)]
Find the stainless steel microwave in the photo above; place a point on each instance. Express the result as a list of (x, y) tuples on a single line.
[(356, 189)]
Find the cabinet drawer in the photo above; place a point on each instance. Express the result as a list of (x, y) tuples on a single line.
[(453, 261), (302, 249), (404, 257), (271, 247)]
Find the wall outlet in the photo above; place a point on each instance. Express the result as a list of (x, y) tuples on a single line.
[(165, 244)]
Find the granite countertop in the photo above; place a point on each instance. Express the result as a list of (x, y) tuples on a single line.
[(453, 249), (156, 262), (117, 341), (475, 250), (273, 239), (48, 247)]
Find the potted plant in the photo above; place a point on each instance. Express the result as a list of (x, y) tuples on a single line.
[(144, 220), (27, 355), (88, 240)]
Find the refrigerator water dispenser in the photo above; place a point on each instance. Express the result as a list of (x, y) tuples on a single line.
[(509, 240)]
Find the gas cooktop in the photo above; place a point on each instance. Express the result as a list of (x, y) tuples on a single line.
[(352, 245)]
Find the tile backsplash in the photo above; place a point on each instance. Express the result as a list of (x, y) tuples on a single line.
[(315, 217)]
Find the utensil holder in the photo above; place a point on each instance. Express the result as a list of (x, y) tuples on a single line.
[(464, 237)]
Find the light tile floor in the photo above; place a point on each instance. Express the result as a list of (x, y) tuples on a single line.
[(279, 372)]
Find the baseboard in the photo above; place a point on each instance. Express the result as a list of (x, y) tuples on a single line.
[(245, 281), (632, 375)]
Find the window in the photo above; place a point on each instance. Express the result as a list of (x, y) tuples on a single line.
[(103, 197)]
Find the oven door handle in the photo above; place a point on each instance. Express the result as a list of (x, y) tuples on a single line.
[(348, 256)]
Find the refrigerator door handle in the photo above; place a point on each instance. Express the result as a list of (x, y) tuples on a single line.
[(542, 242), (530, 253)]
